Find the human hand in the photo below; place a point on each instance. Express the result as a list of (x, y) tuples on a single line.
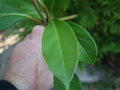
[(27, 69)]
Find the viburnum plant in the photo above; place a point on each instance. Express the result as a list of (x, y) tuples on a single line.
[(64, 44)]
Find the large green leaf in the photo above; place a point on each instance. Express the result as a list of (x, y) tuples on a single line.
[(17, 7), (55, 7), (74, 85), (87, 45), (60, 49)]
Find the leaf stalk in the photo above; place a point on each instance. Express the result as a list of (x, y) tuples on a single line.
[(35, 4), (68, 17)]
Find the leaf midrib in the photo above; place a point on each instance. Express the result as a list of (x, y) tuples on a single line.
[(85, 51), (60, 50)]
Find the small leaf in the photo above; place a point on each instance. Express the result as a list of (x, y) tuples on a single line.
[(60, 49), (74, 85), (87, 45)]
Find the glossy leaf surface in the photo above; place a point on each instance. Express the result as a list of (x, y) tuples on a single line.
[(60, 49)]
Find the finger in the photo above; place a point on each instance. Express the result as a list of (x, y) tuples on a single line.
[(37, 32), (28, 37)]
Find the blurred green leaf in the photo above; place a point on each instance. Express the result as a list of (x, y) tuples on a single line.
[(55, 7), (87, 45), (8, 21)]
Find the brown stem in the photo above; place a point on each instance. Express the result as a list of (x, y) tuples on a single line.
[(38, 22), (35, 4), (47, 13)]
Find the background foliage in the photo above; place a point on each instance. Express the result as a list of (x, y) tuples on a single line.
[(102, 19)]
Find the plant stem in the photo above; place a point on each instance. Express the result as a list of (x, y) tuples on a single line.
[(38, 22), (35, 4), (23, 15), (68, 17), (47, 13)]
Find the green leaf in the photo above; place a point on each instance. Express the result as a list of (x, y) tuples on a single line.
[(12, 17), (87, 45), (15, 14), (60, 49), (55, 7), (74, 85), (8, 21), (1, 3), (22, 7)]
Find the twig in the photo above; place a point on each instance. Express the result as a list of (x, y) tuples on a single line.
[(68, 17), (47, 13), (38, 22), (23, 15), (35, 4)]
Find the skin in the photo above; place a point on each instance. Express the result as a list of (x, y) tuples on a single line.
[(27, 69)]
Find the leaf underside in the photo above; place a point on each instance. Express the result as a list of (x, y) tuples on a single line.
[(87, 45)]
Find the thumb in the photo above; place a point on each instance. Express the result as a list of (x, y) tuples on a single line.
[(37, 32)]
